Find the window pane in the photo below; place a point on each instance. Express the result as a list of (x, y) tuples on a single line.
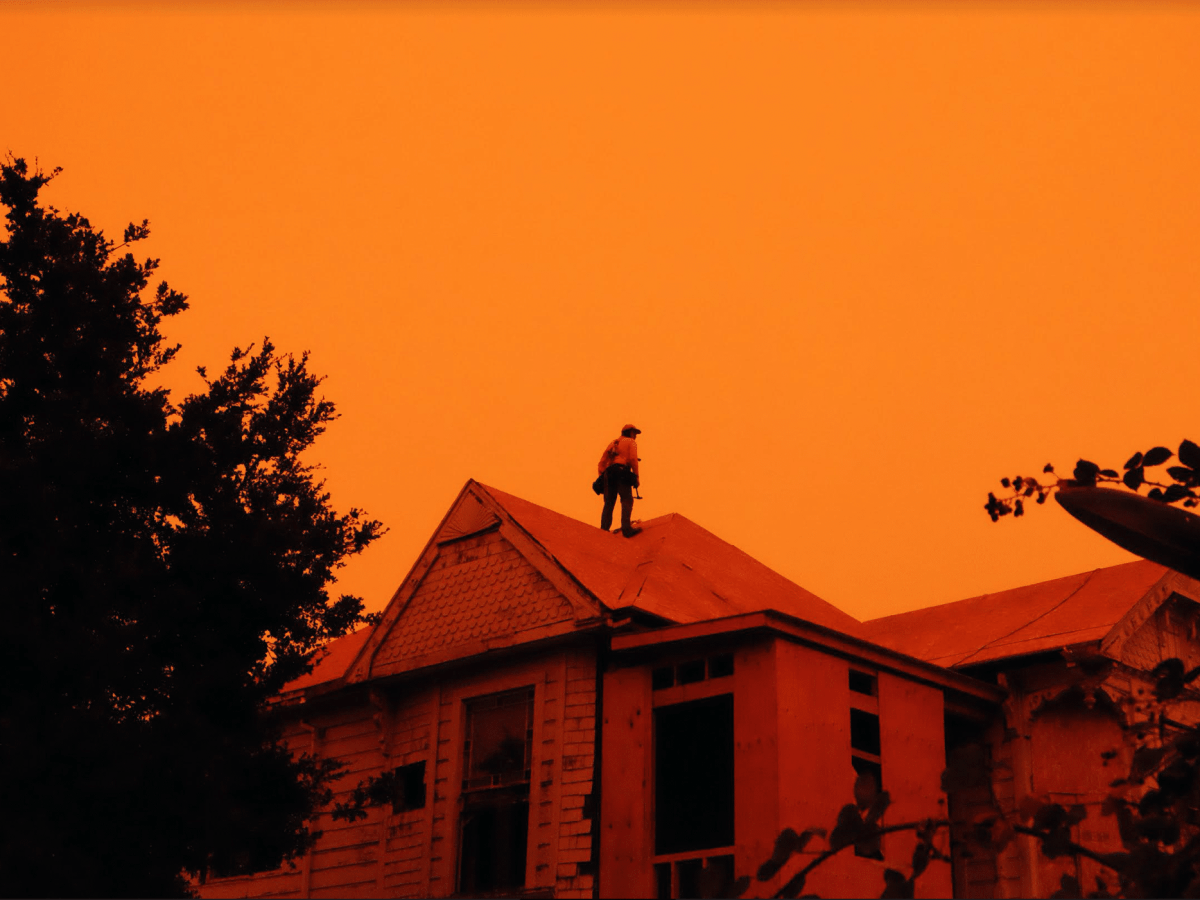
[(693, 775), (498, 739), (663, 677), (691, 672), (864, 731), (862, 683), (721, 666)]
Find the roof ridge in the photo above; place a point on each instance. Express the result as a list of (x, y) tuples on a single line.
[(1020, 587)]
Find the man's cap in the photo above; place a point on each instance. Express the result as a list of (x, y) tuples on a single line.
[(633, 428)]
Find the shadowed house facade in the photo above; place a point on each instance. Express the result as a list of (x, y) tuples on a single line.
[(573, 714)]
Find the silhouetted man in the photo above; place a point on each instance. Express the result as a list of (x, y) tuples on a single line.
[(619, 469)]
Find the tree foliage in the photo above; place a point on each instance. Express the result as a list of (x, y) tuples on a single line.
[(165, 570), (1182, 480)]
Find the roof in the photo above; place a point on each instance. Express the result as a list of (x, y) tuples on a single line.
[(674, 569), (332, 661), (1027, 619)]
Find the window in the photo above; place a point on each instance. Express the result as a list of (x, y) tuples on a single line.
[(693, 775), (497, 756), (692, 671), (862, 683), (409, 788), (865, 744)]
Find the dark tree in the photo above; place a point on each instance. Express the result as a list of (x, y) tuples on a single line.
[(164, 570)]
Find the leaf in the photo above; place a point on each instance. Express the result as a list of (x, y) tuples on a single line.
[(1002, 834), (1181, 473), (849, 827), (1086, 472), (1156, 456), (1030, 805), (1109, 473), (895, 885), (1175, 493), (866, 788), (1155, 494), (877, 808), (1069, 888), (1168, 676), (1189, 454), (1134, 477), (1048, 469), (1134, 461), (786, 844), (920, 858)]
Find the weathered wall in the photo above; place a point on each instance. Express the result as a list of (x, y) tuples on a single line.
[(911, 721), (627, 836), (415, 853), (817, 778)]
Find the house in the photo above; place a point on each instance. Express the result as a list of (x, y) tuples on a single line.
[(573, 714), (1073, 656)]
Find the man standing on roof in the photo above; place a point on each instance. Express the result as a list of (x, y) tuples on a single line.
[(619, 469)]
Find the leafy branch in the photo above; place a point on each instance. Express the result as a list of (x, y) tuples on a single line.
[(1180, 484)]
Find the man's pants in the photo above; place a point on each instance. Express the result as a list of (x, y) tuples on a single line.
[(618, 481)]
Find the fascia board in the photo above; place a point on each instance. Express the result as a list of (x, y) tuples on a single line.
[(815, 635)]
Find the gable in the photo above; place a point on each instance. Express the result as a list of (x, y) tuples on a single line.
[(479, 585), (1169, 632), (477, 594)]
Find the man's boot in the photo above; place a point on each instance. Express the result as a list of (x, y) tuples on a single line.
[(627, 528)]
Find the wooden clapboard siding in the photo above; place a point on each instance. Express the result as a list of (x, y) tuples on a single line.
[(575, 859), (414, 853)]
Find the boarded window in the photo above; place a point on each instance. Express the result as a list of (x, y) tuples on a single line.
[(497, 755), (693, 775)]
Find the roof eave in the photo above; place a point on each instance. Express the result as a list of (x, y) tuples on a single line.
[(818, 636)]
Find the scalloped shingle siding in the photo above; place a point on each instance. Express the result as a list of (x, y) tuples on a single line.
[(476, 589)]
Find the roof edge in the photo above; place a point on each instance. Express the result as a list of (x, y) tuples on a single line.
[(827, 638)]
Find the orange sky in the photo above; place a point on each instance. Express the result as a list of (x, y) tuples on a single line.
[(845, 264)]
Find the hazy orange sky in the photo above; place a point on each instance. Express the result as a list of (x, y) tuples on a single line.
[(845, 264)]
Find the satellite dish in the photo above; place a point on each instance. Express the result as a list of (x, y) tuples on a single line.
[(1150, 528)]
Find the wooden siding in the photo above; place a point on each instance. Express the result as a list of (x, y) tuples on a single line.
[(414, 853)]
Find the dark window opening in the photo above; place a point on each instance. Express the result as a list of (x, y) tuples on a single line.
[(691, 672), (864, 731), (862, 683), (497, 754), (410, 787), (693, 775), (662, 678), (688, 872), (720, 666), (864, 756), (495, 833), (662, 881)]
